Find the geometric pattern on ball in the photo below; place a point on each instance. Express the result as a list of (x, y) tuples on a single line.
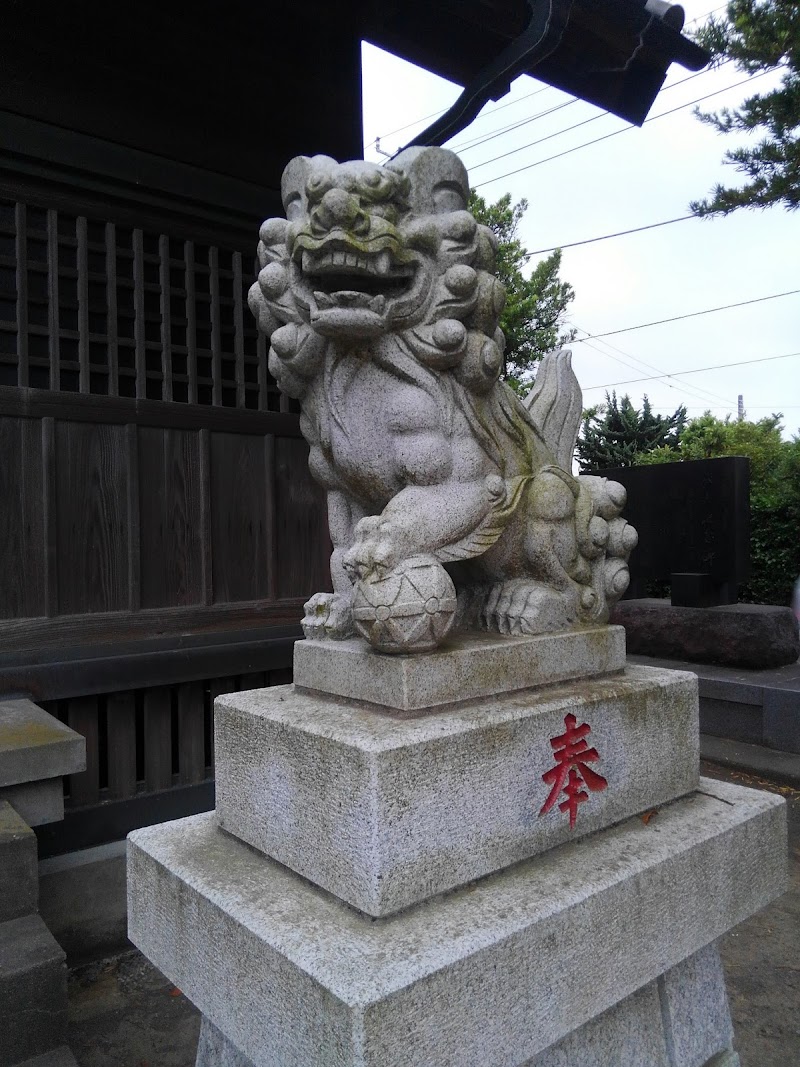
[(410, 609)]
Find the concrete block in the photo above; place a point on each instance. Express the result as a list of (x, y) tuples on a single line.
[(82, 900), (465, 667), (387, 810), (33, 990), (215, 1050), (34, 745), (37, 802), (694, 1008), (19, 881), (782, 719), (628, 1035), (490, 974), (726, 718)]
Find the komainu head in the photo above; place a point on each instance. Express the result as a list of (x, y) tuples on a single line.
[(367, 252)]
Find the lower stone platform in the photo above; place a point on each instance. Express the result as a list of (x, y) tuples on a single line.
[(493, 974), (680, 1020)]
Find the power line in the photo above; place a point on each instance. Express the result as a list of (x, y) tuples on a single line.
[(697, 392), (697, 370), (614, 133), (575, 126), (483, 138), (608, 236), (693, 314)]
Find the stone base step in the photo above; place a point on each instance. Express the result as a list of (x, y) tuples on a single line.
[(492, 974), (19, 873), (33, 990)]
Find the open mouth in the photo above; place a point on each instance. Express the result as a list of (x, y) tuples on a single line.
[(341, 278)]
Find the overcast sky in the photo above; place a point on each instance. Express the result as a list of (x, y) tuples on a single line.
[(639, 177)]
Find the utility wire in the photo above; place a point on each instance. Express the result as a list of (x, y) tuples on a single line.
[(697, 370), (465, 146), (692, 314), (624, 129), (584, 122), (695, 391), (608, 236)]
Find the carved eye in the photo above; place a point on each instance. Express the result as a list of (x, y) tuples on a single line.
[(317, 186), (448, 197)]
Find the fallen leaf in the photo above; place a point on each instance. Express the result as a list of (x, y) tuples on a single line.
[(648, 815), (175, 992)]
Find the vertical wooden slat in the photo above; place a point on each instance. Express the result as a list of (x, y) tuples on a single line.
[(206, 556), (53, 338), (138, 314), (271, 518), (84, 787), (216, 341), (166, 318), (134, 554), (191, 321), (111, 310), (284, 402), (263, 382), (191, 733), (238, 329), (280, 676), (83, 304), (157, 738), (121, 715), (50, 517), (21, 226)]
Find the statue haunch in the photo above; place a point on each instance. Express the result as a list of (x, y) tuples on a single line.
[(450, 501)]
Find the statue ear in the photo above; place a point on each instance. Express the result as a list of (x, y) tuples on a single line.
[(438, 179), (293, 182), (297, 173)]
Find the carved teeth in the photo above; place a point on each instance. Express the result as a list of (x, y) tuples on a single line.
[(324, 301), (308, 262), (378, 304), (382, 263)]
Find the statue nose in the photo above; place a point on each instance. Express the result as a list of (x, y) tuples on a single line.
[(339, 208)]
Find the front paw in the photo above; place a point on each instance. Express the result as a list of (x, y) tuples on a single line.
[(328, 615), (375, 550)]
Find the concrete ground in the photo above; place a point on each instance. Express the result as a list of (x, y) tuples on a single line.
[(124, 1013)]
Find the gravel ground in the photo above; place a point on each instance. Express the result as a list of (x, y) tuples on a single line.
[(124, 1013)]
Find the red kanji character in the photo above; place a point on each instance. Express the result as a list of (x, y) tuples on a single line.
[(572, 754)]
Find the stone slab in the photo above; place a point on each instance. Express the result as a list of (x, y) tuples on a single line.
[(39, 802), (385, 811), (650, 1028), (756, 636), (19, 875), (680, 1020), (34, 745), (33, 990), (694, 1009), (465, 667), (491, 974)]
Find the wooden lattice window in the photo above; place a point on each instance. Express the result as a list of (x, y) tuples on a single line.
[(92, 307)]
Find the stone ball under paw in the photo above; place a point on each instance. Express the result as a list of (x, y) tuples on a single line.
[(409, 609)]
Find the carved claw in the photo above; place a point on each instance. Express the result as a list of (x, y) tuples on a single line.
[(374, 551), (328, 615), (521, 606)]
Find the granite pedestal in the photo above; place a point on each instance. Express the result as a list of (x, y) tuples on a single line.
[(389, 886)]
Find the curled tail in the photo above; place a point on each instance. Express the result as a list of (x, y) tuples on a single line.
[(555, 404)]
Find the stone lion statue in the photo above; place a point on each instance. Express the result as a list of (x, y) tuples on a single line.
[(450, 500)]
